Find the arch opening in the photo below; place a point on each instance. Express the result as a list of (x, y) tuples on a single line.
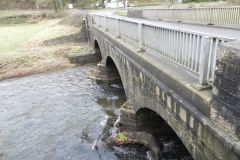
[(112, 72), (97, 50), (170, 144)]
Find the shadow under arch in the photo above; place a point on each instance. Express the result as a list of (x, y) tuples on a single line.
[(170, 144), (113, 73), (97, 50)]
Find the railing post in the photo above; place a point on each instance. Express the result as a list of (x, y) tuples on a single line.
[(140, 37), (117, 28), (99, 24), (93, 23), (204, 58), (203, 64), (211, 20), (106, 27)]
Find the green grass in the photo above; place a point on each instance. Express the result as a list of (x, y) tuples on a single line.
[(15, 36), (7, 13), (15, 32), (23, 50), (186, 1), (235, 1), (121, 13)]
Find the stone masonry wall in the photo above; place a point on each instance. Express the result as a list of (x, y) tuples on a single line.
[(226, 88), (135, 13)]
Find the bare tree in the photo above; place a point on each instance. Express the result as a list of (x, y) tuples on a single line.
[(58, 5)]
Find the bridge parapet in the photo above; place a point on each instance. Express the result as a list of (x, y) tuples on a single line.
[(193, 51), (225, 16)]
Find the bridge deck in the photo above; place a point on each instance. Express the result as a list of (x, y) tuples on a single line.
[(203, 29), (192, 47)]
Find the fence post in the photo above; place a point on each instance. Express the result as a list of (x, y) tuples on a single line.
[(140, 37), (117, 28)]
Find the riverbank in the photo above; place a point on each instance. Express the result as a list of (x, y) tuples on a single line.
[(39, 45)]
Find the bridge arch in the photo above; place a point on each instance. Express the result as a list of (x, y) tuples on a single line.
[(110, 62), (97, 49), (151, 121)]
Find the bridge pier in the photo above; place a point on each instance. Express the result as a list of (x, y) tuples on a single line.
[(128, 117)]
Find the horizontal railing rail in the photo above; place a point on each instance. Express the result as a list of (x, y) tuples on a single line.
[(219, 16), (193, 51)]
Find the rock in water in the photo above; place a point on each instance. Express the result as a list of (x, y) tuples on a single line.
[(135, 137)]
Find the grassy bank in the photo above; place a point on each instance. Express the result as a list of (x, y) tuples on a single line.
[(237, 2), (38, 47), (8, 13)]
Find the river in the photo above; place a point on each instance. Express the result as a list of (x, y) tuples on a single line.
[(66, 115)]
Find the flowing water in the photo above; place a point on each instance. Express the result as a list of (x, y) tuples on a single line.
[(65, 115)]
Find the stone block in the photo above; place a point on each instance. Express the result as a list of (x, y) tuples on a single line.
[(229, 52), (232, 71), (225, 116), (191, 122), (183, 114), (229, 99), (227, 84)]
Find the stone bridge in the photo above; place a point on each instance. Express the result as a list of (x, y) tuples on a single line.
[(171, 72)]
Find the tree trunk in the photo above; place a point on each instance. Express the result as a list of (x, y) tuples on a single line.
[(61, 5), (55, 5)]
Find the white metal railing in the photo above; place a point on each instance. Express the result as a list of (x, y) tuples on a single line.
[(219, 16), (193, 51), (129, 29)]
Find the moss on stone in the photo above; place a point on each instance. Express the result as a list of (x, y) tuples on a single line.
[(121, 137)]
